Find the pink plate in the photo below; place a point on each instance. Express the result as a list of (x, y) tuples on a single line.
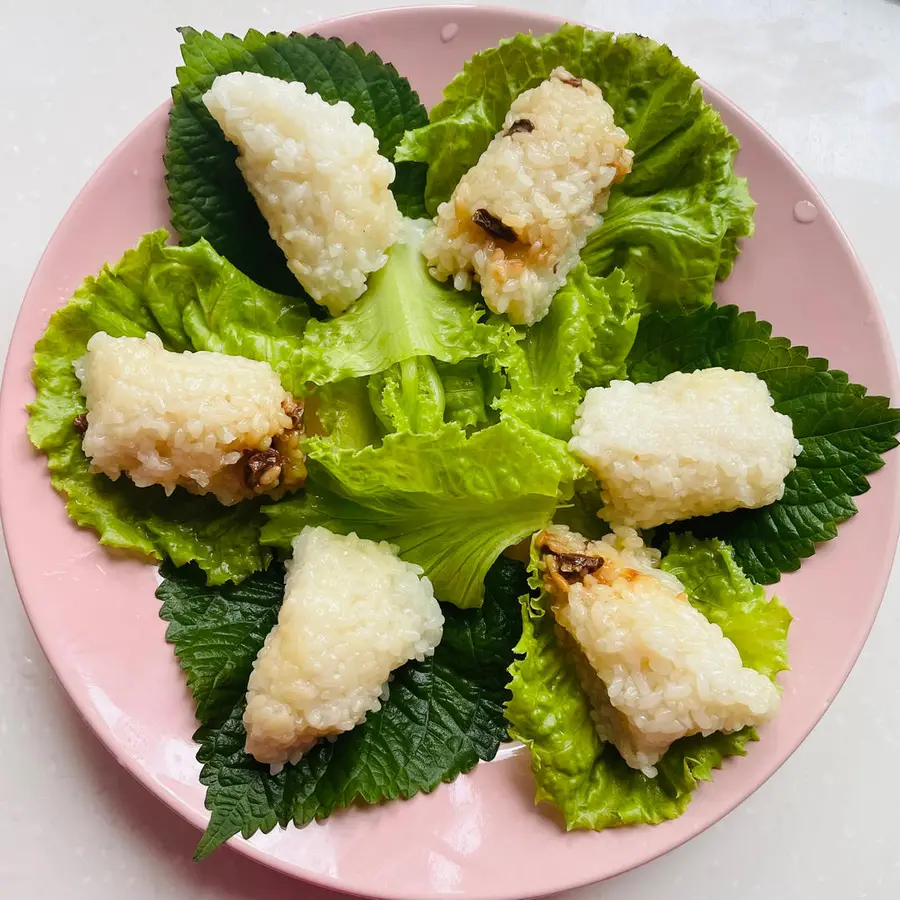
[(481, 837)]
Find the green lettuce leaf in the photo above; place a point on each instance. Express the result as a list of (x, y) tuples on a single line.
[(581, 343), (674, 234), (673, 224), (756, 625), (193, 299), (345, 414), (471, 388), (843, 431), (422, 394), (611, 313), (443, 715), (549, 712), (404, 313), (207, 193), (418, 395), (409, 396), (650, 91), (433, 497)]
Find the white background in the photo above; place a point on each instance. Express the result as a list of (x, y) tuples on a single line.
[(822, 76)]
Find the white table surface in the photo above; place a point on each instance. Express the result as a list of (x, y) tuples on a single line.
[(822, 76)]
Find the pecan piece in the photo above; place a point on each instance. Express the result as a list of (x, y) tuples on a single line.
[(573, 566), (493, 226), (565, 562), (294, 411), (262, 469), (525, 125)]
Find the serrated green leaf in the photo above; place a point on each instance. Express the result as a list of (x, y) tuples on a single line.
[(443, 715), (217, 633), (843, 431), (207, 193)]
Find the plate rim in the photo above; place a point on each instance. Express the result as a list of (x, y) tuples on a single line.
[(515, 17)]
